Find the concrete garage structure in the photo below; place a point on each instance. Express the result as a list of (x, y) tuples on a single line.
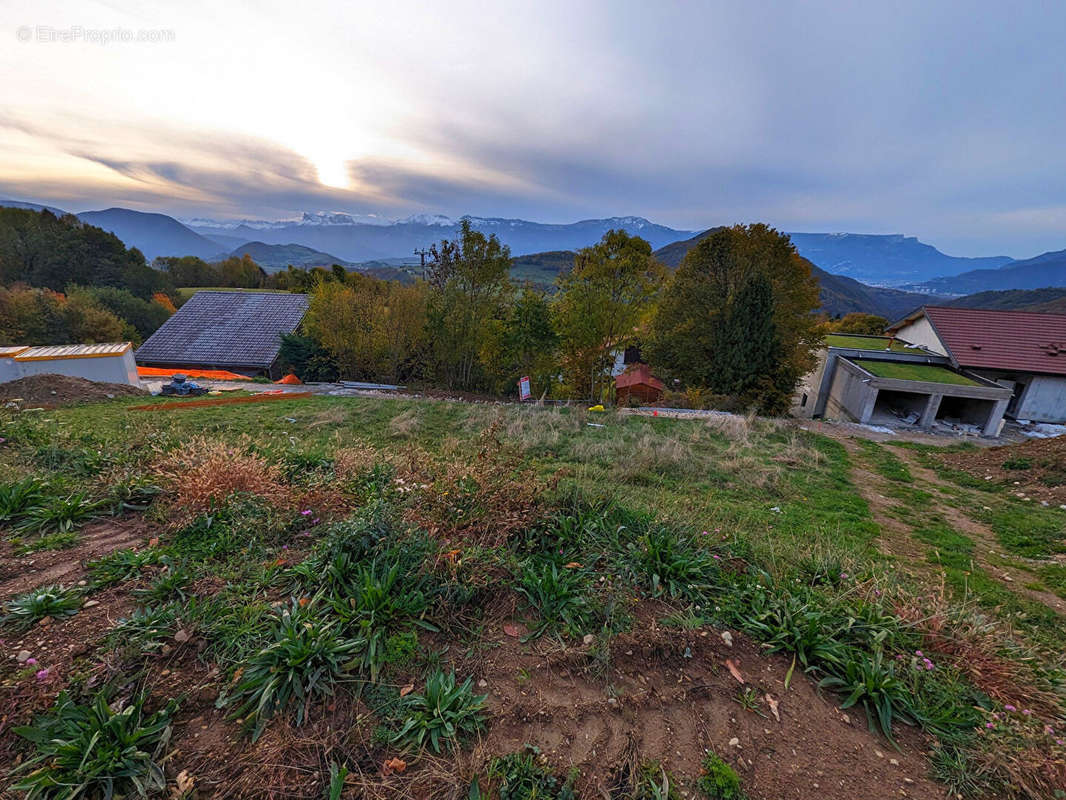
[(109, 363), (1020, 350), (881, 380), (871, 391)]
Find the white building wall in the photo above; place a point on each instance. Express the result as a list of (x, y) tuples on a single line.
[(1044, 399), (921, 332), (106, 369)]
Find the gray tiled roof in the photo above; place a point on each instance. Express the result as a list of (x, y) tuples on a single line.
[(225, 329)]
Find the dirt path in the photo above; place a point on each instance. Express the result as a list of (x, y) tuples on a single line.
[(897, 535), (984, 538)]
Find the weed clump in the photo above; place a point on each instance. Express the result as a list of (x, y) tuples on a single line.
[(95, 750), (204, 473), (47, 601), (442, 716), (302, 664)]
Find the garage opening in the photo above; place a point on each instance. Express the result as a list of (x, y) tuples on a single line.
[(895, 407), (964, 411)]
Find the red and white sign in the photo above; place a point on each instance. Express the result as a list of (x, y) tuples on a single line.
[(523, 388)]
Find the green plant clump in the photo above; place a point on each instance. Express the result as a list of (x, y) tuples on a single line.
[(441, 716), (524, 776), (301, 664), (719, 781), (99, 750), (46, 601)]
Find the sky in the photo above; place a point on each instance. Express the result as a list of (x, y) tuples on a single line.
[(940, 119)]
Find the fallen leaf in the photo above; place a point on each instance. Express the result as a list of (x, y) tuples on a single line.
[(734, 670), (153, 542), (515, 629), (237, 674), (406, 690), (183, 786), (391, 765), (573, 565), (773, 707), (304, 601)]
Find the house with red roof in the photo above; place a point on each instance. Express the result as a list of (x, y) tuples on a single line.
[(1021, 350)]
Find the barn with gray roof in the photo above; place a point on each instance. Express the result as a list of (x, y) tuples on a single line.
[(236, 331)]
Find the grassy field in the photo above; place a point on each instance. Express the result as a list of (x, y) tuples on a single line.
[(341, 597)]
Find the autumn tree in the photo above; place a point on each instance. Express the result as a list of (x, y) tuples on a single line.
[(741, 297), (860, 323), (372, 329), (601, 306), (469, 298), (529, 342)]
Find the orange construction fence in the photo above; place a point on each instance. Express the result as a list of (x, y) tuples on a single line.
[(211, 374)]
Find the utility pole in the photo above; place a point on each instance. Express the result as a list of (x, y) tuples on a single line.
[(422, 253)]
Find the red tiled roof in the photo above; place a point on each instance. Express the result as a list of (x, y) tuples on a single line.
[(1021, 341), (638, 374)]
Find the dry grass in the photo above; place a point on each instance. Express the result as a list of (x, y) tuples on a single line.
[(406, 424), (479, 498), (734, 427), (204, 472), (354, 460), (974, 643)]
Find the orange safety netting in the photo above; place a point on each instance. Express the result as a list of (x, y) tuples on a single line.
[(291, 380), (211, 374)]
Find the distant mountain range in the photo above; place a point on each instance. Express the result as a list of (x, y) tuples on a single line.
[(1048, 269), (152, 234), (846, 263), (884, 260), (355, 240)]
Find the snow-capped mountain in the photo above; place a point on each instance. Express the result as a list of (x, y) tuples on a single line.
[(368, 237)]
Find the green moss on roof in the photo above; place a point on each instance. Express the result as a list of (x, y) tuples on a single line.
[(866, 343), (915, 372)]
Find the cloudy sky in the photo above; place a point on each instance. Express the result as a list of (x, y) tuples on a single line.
[(942, 119)]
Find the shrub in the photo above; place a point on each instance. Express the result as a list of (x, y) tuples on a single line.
[(47, 601), (1017, 463), (301, 664), (442, 715), (719, 781), (96, 750)]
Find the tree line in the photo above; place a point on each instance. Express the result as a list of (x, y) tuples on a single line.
[(734, 325)]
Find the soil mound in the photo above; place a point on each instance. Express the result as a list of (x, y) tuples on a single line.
[(1036, 468), (51, 391)]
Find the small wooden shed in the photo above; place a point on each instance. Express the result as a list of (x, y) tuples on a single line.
[(637, 384)]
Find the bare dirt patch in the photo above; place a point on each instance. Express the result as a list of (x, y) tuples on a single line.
[(668, 695), (53, 391), (67, 566), (1036, 468)]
